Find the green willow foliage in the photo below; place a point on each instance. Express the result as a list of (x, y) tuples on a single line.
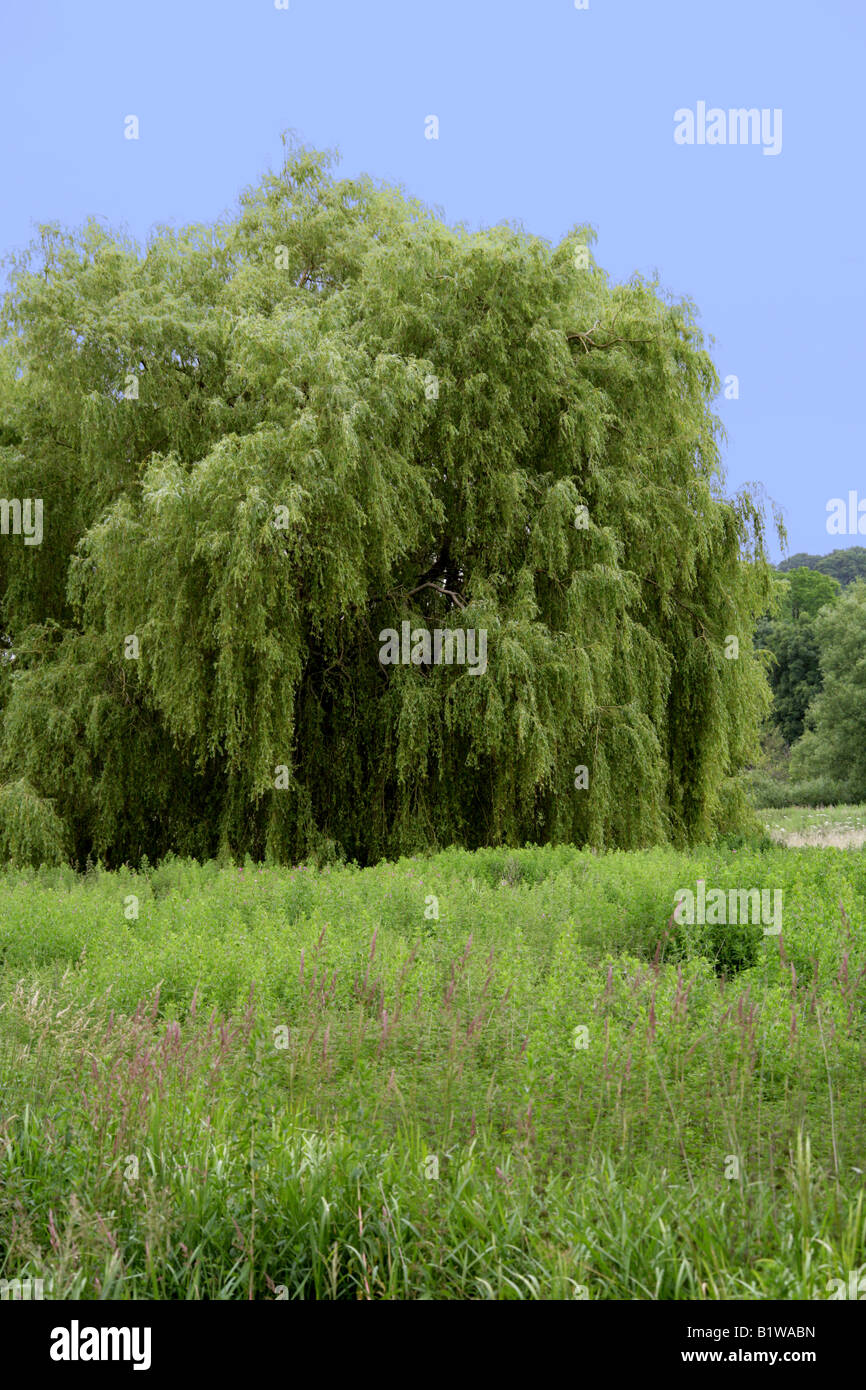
[(30, 830), (350, 414)]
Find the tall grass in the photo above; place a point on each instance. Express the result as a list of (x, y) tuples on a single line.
[(296, 1084)]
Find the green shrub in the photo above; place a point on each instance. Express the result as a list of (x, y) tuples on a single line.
[(772, 793)]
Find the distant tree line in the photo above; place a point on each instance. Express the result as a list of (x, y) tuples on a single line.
[(844, 565), (816, 639)]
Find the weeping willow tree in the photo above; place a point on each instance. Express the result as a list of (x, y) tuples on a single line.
[(263, 445)]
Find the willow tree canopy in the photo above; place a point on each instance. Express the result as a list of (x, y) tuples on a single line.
[(261, 445)]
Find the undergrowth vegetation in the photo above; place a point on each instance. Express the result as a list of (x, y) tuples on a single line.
[(501, 1074)]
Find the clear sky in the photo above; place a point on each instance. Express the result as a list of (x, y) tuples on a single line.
[(548, 115)]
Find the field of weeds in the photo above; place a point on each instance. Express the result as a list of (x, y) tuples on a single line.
[(499, 1075)]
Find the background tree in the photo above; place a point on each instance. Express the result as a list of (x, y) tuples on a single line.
[(805, 591), (795, 669), (261, 443), (794, 673), (834, 744)]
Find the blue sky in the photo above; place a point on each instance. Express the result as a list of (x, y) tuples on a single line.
[(548, 116)]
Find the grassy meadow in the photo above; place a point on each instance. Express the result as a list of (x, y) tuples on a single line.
[(843, 827), (491, 1075)]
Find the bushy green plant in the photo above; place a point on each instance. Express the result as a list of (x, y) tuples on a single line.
[(31, 832)]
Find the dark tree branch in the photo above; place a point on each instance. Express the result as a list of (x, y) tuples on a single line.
[(589, 344), (437, 588)]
